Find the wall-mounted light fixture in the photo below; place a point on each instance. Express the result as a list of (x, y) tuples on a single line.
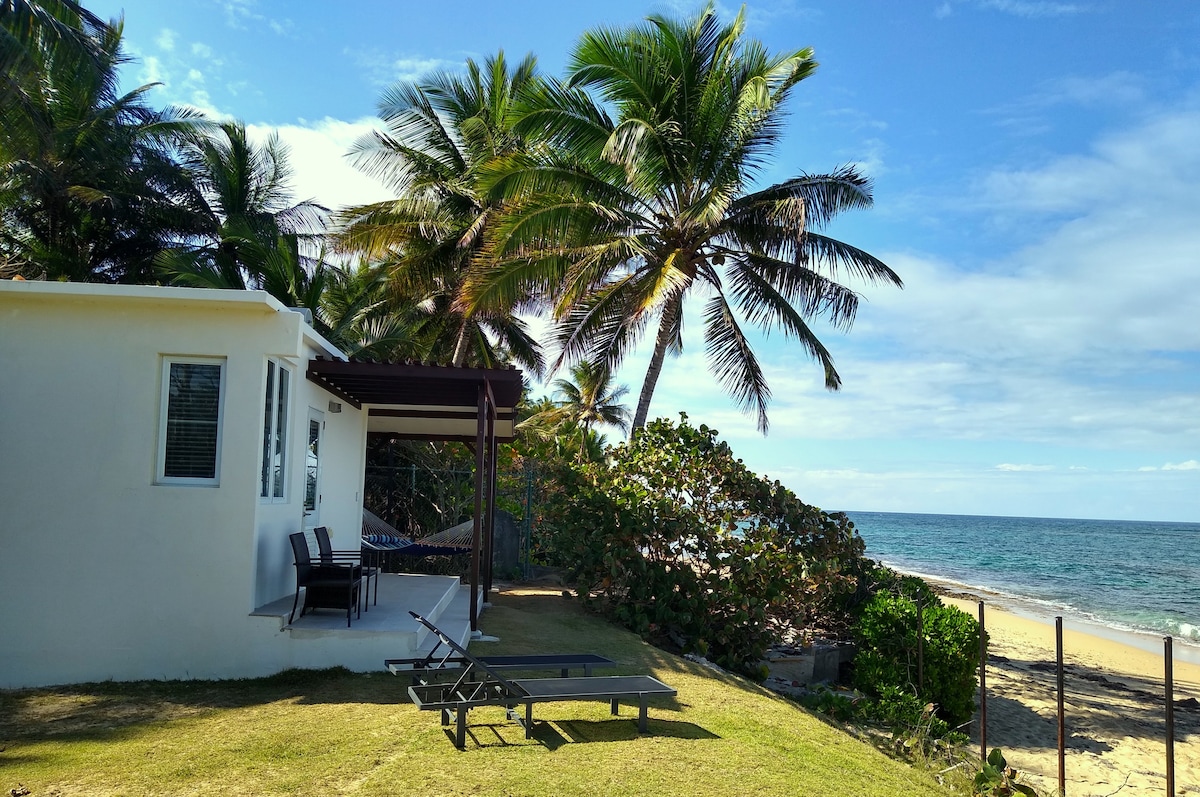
[(335, 406)]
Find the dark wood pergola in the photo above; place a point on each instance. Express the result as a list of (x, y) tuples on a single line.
[(413, 401)]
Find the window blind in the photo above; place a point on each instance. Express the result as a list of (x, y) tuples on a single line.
[(193, 414)]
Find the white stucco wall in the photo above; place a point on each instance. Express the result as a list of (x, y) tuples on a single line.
[(104, 573), (343, 464)]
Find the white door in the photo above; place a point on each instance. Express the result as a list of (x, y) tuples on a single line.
[(312, 469)]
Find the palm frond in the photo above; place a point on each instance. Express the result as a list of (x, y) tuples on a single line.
[(732, 360), (763, 306)]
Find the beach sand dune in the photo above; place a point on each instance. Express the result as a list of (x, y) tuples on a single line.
[(1114, 706)]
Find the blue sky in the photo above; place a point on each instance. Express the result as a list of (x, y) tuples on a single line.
[(1036, 168)]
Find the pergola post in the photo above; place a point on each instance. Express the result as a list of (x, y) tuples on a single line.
[(490, 518), (477, 525)]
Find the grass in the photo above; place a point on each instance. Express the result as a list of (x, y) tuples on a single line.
[(335, 732)]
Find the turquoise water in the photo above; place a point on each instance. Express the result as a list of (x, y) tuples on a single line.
[(1131, 576)]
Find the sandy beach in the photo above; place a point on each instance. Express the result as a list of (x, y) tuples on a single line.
[(1115, 712)]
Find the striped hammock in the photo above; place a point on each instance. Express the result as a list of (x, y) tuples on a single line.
[(379, 535)]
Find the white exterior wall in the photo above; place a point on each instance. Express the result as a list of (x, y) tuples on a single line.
[(343, 466), (105, 574)]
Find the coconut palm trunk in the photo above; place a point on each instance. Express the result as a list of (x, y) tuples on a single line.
[(668, 327), (461, 345)]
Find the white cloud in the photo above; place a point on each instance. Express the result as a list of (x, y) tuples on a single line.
[(1190, 464), (166, 40), (1029, 9), (321, 170), (1116, 88), (1033, 8), (415, 68), (384, 69), (1024, 468), (1146, 168), (152, 71), (1122, 91), (769, 15), (239, 12)]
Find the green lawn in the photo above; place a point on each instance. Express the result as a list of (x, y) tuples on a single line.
[(335, 732)]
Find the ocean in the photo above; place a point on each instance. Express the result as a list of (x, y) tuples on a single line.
[(1129, 576)]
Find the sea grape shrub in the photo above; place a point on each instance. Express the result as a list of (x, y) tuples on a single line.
[(884, 579), (534, 472), (676, 539), (886, 633)]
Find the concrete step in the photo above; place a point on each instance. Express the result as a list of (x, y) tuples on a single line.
[(386, 630)]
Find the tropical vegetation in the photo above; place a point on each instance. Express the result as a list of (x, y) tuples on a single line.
[(89, 190), (603, 200), (678, 540), (335, 732), (935, 659), (618, 218), (441, 133)]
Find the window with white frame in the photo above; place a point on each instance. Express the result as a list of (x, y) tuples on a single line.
[(275, 424), (189, 440)]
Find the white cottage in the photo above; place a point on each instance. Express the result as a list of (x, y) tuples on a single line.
[(157, 447)]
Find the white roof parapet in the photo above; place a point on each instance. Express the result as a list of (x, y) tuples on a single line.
[(213, 297)]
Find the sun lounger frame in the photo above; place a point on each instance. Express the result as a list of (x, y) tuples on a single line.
[(479, 684), (432, 664)]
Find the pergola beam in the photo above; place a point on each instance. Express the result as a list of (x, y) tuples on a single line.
[(408, 400)]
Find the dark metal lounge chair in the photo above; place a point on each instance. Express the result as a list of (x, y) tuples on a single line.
[(434, 664), (480, 684), (325, 586)]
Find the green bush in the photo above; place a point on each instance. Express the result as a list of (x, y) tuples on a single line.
[(886, 633), (676, 539), (905, 714)]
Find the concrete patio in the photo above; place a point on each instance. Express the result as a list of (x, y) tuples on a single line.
[(321, 639)]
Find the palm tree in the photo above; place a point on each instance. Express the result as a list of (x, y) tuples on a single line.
[(626, 218), (441, 131), (356, 312), (88, 189), (253, 233), (568, 423), (257, 237), (589, 399)]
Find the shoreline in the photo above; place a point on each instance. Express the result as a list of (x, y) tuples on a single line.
[(1185, 650), (1114, 706)]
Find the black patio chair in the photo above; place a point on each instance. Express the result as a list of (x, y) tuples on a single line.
[(325, 586), (370, 566)]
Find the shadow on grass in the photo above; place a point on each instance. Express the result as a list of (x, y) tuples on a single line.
[(555, 734), (614, 730), (102, 711), (580, 631), (526, 623)]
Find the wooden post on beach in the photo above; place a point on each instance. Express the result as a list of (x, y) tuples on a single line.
[(1168, 656), (982, 686), (1062, 723)]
